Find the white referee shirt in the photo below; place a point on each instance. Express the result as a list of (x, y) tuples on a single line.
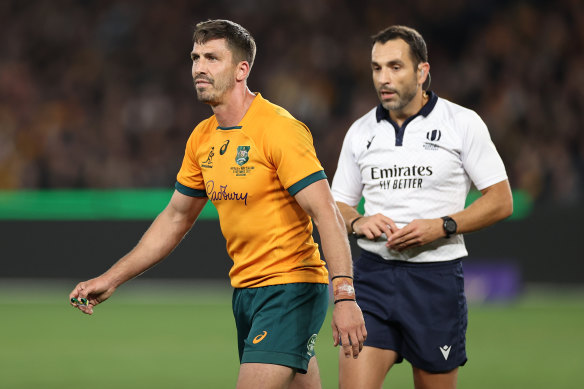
[(422, 170)]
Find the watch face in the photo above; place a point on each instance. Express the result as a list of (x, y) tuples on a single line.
[(450, 226)]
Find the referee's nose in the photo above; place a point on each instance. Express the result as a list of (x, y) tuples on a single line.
[(383, 78)]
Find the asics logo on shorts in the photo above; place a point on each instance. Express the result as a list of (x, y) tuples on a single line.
[(260, 337)]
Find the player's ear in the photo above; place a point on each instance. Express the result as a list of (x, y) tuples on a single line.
[(242, 71)]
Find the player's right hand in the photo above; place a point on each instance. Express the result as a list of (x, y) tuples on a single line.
[(372, 227), (348, 328), (96, 291)]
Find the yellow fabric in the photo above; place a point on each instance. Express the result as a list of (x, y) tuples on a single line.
[(269, 236)]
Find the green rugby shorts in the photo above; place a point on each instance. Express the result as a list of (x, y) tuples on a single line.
[(278, 324)]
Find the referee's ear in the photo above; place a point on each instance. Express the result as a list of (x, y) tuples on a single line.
[(423, 73)]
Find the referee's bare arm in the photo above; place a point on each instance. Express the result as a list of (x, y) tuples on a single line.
[(348, 324), (495, 204), (163, 235)]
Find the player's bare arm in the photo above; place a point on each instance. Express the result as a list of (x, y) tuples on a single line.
[(495, 204), (163, 235), (348, 324), (372, 227)]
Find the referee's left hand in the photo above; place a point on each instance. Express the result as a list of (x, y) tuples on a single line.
[(349, 328)]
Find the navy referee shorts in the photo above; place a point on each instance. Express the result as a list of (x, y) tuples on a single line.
[(416, 309)]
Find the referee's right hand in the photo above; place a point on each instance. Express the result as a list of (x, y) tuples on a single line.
[(372, 227)]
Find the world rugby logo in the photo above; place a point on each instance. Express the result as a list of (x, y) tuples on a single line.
[(434, 135)]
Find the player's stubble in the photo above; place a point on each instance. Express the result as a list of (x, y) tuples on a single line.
[(211, 94)]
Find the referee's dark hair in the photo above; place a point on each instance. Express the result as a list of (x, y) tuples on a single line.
[(238, 39), (413, 38)]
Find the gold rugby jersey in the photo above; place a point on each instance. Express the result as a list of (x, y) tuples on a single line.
[(251, 172)]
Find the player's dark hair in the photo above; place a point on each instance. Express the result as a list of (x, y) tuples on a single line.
[(413, 38), (238, 39)]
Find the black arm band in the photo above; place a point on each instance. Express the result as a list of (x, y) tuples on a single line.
[(341, 277), (339, 300), (353, 222)]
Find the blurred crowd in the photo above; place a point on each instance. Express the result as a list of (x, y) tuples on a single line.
[(98, 94)]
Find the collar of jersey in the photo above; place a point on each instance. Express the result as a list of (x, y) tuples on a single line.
[(258, 99), (229, 128), (383, 113)]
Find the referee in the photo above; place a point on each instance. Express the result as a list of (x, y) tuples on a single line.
[(414, 158)]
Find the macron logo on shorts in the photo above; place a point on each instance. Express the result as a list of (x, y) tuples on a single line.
[(445, 351)]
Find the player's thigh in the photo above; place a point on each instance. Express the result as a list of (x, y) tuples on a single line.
[(264, 375), (310, 380), (427, 380), (368, 370)]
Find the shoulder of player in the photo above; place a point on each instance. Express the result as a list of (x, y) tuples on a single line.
[(277, 122), (205, 125)]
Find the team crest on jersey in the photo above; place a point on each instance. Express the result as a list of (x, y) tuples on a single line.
[(242, 155)]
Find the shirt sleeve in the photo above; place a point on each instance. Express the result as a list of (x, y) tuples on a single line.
[(480, 158), (291, 151), (347, 186), (189, 180)]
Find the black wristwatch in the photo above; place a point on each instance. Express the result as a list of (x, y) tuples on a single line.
[(449, 226)]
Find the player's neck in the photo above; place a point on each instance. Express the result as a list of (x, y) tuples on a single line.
[(234, 106), (411, 109)]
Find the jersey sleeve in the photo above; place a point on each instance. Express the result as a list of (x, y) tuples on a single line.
[(189, 180), (291, 151), (480, 158), (347, 185)]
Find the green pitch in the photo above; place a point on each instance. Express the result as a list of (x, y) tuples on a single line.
[(171, 336)]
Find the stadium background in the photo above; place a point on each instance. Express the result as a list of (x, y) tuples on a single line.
[(96, 103)]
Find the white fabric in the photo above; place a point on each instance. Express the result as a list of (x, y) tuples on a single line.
[(428, 176)]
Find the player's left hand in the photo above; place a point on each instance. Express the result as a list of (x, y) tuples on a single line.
[(349, 328), (417, 233)]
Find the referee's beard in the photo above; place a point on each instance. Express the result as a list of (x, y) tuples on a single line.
[(404, 96)]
